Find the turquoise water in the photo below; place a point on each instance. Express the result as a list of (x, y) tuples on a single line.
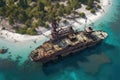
[(101, 62)]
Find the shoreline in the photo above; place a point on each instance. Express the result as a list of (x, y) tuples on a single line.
[(77, 24)]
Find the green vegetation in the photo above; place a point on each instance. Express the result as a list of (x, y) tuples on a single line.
[(65, 21), (82, 14), (98, 6), (92, 11), (34, 13), (25, 30), (91, 6), (88, 7)]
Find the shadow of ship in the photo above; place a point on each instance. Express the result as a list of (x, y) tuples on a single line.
[(73, 59), (8, 67)]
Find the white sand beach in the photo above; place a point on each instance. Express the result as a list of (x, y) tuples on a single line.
[(78, 22)]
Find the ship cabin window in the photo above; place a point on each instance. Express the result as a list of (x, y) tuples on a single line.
[(62, 44), (73, 39), (69, 46), (81, 46), (84, 40)]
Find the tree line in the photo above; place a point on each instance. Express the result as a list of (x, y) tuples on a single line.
[(34, 13)]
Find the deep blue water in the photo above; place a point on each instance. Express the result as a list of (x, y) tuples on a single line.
[(101, 62)]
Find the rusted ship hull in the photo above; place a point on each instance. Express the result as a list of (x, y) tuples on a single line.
[(66, 41), (67, 51)]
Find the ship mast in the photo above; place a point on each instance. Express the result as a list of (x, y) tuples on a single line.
[(54, 31), (58, 33)]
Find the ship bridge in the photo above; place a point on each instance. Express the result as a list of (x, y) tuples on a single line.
[(58, 33)]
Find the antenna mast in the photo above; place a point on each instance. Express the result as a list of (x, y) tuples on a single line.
[(54, 31)]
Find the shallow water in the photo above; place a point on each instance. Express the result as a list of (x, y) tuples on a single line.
[(101, 62)]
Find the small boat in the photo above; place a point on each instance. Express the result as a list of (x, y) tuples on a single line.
[(2, 51)]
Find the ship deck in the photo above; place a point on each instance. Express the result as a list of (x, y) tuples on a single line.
[(49, 48)]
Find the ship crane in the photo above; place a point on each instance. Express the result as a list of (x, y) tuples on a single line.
[(54, 31)]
